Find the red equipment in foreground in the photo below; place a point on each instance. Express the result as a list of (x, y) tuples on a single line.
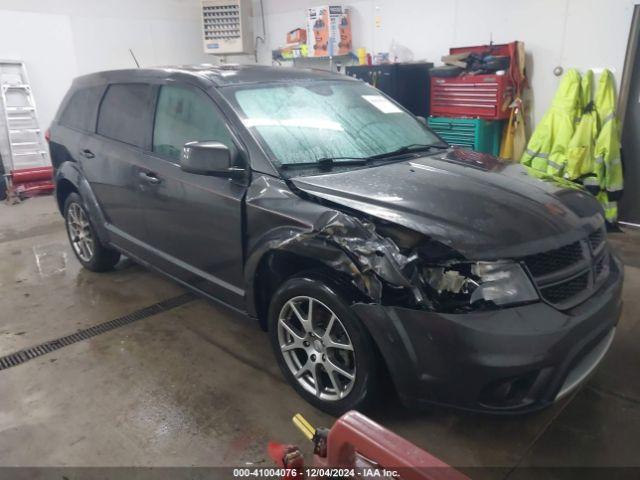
[(28, 182), (356, 446)]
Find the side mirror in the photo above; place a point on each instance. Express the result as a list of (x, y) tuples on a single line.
[(422, 120), (208, 158)]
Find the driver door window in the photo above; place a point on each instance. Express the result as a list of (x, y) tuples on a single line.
[(183, 115)]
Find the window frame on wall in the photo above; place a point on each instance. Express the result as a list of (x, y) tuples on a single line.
[(230, 142)]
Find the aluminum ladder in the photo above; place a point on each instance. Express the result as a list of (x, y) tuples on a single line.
[(23, 145)]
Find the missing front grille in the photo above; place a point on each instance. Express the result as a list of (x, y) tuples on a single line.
[(36, 351)]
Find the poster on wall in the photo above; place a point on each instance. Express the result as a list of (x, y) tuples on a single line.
[(329, 30)]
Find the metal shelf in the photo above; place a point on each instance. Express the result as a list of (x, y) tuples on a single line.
[(345, 60)]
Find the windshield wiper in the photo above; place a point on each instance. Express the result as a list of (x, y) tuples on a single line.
[(414, 147), (326, 163)]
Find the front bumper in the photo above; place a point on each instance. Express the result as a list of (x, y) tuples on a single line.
[(513, 360)]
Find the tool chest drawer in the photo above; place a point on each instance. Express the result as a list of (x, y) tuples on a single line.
[(474, 133), (483, 96)]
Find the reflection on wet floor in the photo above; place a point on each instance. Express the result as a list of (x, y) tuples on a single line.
[(50, 259)]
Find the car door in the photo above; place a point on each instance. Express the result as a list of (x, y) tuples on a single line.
[(193, 222), (111, 159)]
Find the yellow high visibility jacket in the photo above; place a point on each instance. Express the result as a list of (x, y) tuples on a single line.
[(608, 165), (581, 149), (547, 148)]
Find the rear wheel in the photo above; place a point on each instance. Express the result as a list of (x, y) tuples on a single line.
[(322, 348), (84, 242)]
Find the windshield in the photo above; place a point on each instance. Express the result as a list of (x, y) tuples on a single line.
[(305, 123)]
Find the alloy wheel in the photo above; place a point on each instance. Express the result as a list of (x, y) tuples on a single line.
[(316, 348), (80, 232)]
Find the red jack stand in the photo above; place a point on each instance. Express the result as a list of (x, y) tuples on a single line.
[(29, 182), (359, 447)]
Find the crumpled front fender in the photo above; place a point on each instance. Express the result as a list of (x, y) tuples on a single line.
[(337, 240)]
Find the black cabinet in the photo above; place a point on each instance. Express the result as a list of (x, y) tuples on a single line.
[(407, 83)]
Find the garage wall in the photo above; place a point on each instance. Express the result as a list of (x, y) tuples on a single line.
[(61, 39), (571, 33), (50, 74)]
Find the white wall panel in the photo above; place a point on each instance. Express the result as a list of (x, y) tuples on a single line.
[(103, 43), (44, 42), (177, 42)]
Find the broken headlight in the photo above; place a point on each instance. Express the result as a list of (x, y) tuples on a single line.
[(481, 283)]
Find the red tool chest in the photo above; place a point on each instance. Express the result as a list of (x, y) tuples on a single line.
[(485, 96)]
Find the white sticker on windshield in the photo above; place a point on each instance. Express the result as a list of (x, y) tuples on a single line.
[(381, 103)]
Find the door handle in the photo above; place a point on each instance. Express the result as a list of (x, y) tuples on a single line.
[(149, 178), (86, 153)]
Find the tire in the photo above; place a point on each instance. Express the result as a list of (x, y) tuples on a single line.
[(88, 249), (313, 356)]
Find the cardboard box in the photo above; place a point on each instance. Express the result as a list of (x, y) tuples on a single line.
[(297, 36), (329, 30)]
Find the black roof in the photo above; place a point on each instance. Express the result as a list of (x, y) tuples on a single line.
[(219, 75)]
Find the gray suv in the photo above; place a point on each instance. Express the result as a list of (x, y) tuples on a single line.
[(376, 256)]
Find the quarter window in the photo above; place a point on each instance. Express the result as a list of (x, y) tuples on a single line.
[(80, 112), (123, 113), (185, 115)]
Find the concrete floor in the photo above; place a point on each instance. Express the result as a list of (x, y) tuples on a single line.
[(198, 385)]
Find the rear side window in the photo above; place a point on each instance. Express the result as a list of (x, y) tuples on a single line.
[(123, 113), (80, 112), (185, 114)]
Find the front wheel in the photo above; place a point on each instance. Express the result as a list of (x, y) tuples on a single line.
[(322, 348), (85, 243)]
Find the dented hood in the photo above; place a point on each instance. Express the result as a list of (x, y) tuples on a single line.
[(480, 206)]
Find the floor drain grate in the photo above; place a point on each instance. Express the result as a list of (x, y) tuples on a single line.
[(30, 353)]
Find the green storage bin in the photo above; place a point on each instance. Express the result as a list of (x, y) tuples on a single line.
[(474, 133)]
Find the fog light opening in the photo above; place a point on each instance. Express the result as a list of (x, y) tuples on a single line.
[(510, 392)]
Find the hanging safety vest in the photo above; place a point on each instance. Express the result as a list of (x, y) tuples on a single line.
[(581, 149), (547, 148), (608, 165)]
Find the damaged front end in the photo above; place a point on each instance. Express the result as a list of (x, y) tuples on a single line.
[(393, 265), (375, 264), (460, 287)]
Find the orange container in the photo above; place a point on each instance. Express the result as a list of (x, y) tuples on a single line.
[(297, 36)]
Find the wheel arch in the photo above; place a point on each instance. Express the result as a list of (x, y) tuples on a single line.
[(276, 266), (284, 252), (68, 179), (64, 188)]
